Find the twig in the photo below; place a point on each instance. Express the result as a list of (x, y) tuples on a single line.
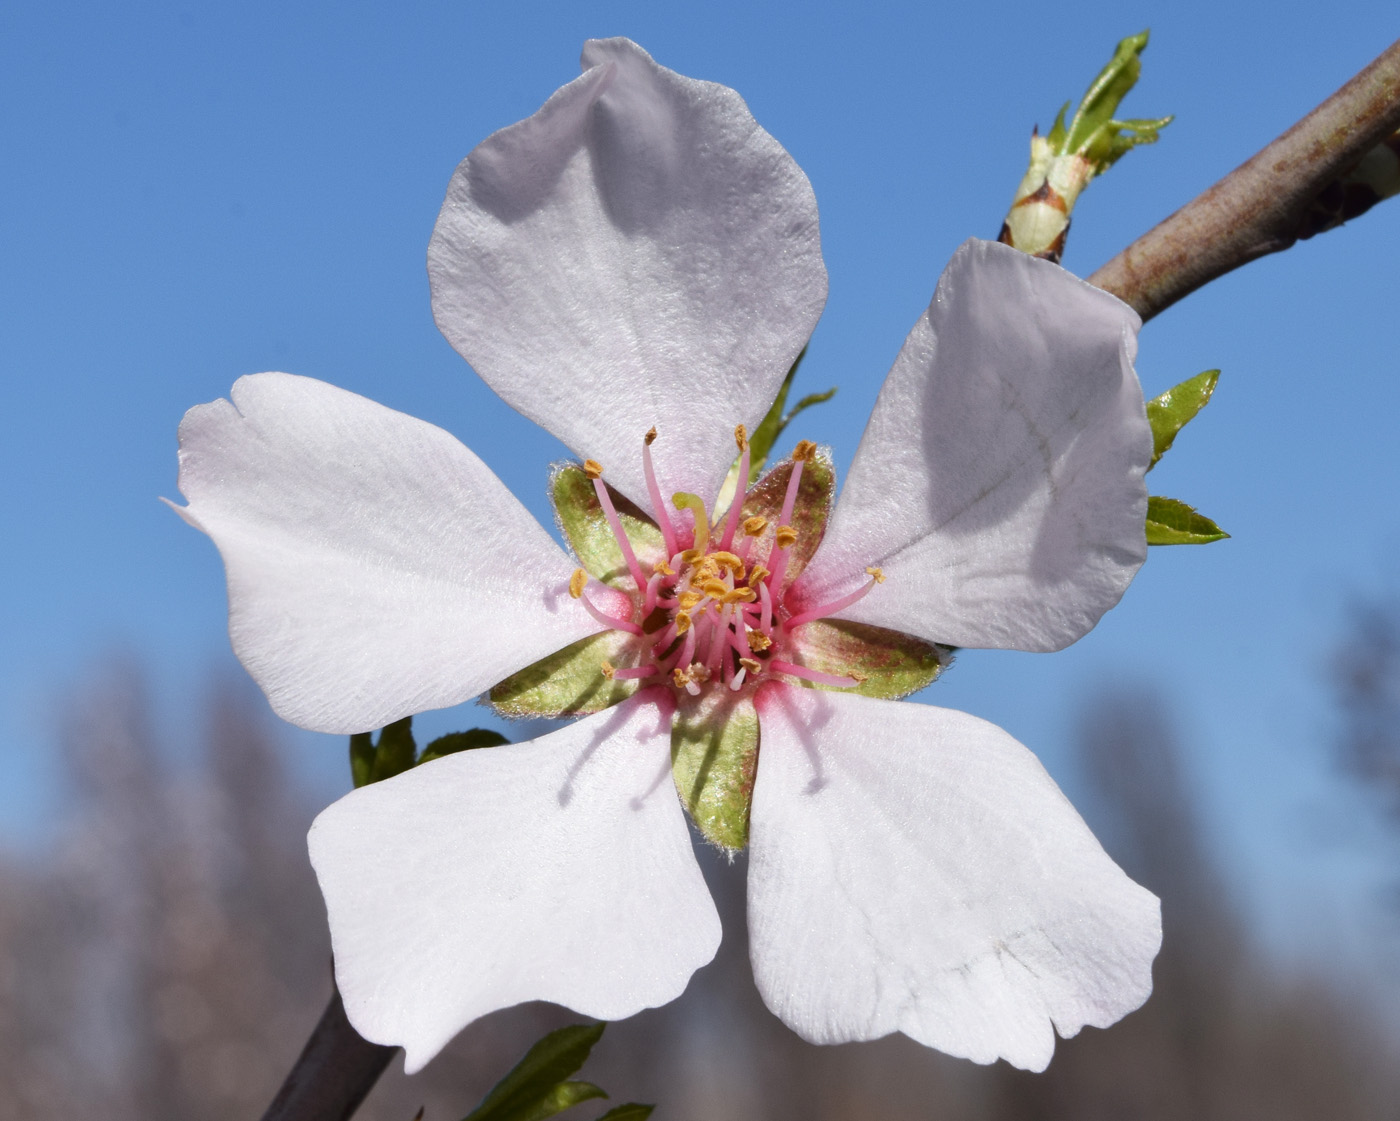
[(334, 1073), (1259, 207)]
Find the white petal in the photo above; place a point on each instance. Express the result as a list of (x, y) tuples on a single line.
[(915, 869), (999, 483), (376, 567), (559, 869), (639, 252)]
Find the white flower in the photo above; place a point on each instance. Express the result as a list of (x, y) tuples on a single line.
[(640, 254)]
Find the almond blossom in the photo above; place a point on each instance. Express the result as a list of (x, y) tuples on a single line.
[(636, 267)]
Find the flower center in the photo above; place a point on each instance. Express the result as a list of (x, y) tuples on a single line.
[(711, 614)]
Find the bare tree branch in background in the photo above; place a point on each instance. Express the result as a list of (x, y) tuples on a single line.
[(1366, 676)]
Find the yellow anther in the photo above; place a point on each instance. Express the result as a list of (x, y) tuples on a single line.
[(860, 677), (682, 622), (755, 525), (706, 570), (718, 589), (739, 595), (758, 575), (690, 556), (805, 450), (753, 665), (699, 673), (759, 641), (876, 574), (608, 669), (786, 537), (741, 436), (689, 600), (729, 561), (576, 582), (650, 437), (663, 568), (592, 468), (680, 677)]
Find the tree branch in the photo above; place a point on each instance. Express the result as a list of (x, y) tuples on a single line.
[(1259, 208), (334, 1073)]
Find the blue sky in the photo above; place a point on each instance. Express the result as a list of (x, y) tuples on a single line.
[(194, 192)]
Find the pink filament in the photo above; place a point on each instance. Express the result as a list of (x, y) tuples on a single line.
[(741, 490), (814, 676), (608, 620), (668, 531), (830, 608), (616, 525), (634, 672)]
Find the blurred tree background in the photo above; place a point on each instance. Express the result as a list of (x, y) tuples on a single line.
[(169, 958)]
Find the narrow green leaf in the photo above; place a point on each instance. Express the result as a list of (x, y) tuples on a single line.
[(631, 1111), (1170, 522), (454, 742), (714, 756), (806, 403), (395, 751), (1106, 92), (362, 758), (564, 1096), (532, 1081), (584, 525), (762, 438), (570, 681), (893, 664), (1170, 412)]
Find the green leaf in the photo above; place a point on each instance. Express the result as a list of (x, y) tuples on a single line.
[(631, 1111), (714, 755), (585, 526), (454, 742), (1170, 412), (893, 664), (815, 495), (538, 1080), (362, 759), (762, 438), (1170, 522), (1106, 92), (570, 681)]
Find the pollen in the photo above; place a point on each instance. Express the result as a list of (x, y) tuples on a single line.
[(682, 622), (741, 436), (753, 665), (786, 537), (663, 568), (755, 525), (650, 437), (758, 575), (688, 600), (805, 452), (608, 669), (592, 468), (718, 589), (759, 641), (729, 561), (876, 574), (577, 582)]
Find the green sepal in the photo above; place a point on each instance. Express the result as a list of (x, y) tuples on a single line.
[(1171, 411), (1093, 132), (570, 681), (714, 756), (815, 495), (454, 742), (537, 1086), (585, 527), (392, 755), (1170, 522), (629, 1111), (893, 664)]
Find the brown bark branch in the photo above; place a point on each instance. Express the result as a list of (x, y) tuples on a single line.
[(334, 1073), (1259, 207)]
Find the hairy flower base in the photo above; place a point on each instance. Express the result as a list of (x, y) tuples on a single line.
[(700, 610)]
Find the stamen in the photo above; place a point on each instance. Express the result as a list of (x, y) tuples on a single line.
[(633, 672), (786, 537), (608, 669), (653, 590), (614, 522), (684, 501), (759, 641), (755, 525), (683, 623), (663, 519), (758, 575), (876, 577), (753, 665), (814, 676), (577, 582), (741, 488), (804, 452), (766, 619), (608, 620)]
